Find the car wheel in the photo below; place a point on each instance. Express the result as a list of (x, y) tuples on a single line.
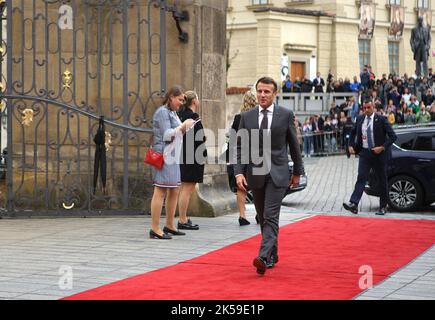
[(404, 194)]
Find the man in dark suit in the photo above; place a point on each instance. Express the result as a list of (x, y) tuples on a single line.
[(371, 138), (318, 83), (271, 132)]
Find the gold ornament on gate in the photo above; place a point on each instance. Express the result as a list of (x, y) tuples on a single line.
[(108, 141), (67, 79), (27, 117), (68, 207)]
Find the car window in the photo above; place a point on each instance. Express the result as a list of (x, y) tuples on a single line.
[(405, 141), (425, 142)]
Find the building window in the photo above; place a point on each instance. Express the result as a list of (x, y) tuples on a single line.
[(395, 2), (257, 2), (295, 2), (423, 4), (393, 53), (364, 52)]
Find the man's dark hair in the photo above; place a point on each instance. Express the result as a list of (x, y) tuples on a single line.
[(267, 80), (367, 101)]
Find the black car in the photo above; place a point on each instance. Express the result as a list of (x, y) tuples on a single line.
[(411, 170)]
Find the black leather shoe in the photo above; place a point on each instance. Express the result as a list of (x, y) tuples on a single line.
[(243, 221), (352, 207), (154, 235), (187, 226), (260, 264), (272, 262), (174, 232), (191, 223), (381, 212), (275, 259)]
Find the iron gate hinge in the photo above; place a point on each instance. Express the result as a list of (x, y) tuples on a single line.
[(178, 17)]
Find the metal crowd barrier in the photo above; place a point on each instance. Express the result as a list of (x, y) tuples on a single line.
[(312, 102), (328, 143), (325, 143)]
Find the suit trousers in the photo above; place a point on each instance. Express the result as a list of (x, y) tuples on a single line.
[(267, 201), (368, 160)]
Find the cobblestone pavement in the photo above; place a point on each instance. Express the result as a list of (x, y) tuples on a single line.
[(36, 254)]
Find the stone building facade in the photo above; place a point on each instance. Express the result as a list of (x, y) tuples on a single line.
[(320, 35)]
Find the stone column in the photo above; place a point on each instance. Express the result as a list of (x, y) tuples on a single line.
[(203, 69), (324, 46), (269, 47), (379, 50), (345, 50)]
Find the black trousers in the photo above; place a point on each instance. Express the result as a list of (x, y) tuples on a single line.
[(267, 201), (368, 160)]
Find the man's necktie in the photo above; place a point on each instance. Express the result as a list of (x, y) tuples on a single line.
[(263, 126), (369, 134)]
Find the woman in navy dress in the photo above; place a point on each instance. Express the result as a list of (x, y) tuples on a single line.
[(194, 158)]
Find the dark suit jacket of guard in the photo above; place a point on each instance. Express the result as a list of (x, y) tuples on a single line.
[(283, 138), (383, 133)]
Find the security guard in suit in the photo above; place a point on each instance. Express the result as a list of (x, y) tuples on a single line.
[(371, 138)]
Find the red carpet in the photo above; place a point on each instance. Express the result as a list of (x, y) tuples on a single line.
[(320, 258)]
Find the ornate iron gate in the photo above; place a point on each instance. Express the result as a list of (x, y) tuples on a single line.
[(67, 64)]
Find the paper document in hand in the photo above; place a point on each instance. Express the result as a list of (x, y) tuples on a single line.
[(196, 121)]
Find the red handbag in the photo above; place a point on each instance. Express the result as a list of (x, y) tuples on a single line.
[(154, 159)]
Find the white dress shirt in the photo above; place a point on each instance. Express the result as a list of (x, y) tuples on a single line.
[(364, 131), (269, 116)]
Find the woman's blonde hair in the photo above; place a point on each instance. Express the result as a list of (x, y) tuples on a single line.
[(189, 96), (249, 101)]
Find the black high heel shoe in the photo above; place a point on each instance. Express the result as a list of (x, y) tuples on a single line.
[(173, 232), (243, 221), (154, 235)]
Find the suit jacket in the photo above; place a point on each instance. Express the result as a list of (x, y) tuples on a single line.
[(318, 86), (283, 138), (383, 133), (185, 114), (232, 140)]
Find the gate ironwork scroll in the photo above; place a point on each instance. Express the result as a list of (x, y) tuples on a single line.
[(64, 64)]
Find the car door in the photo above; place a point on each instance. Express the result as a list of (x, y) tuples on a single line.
[(424, 160)]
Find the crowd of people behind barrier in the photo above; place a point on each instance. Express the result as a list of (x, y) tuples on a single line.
[(403, 100)]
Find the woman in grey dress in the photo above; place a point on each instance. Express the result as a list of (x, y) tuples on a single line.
[(168, 138)]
